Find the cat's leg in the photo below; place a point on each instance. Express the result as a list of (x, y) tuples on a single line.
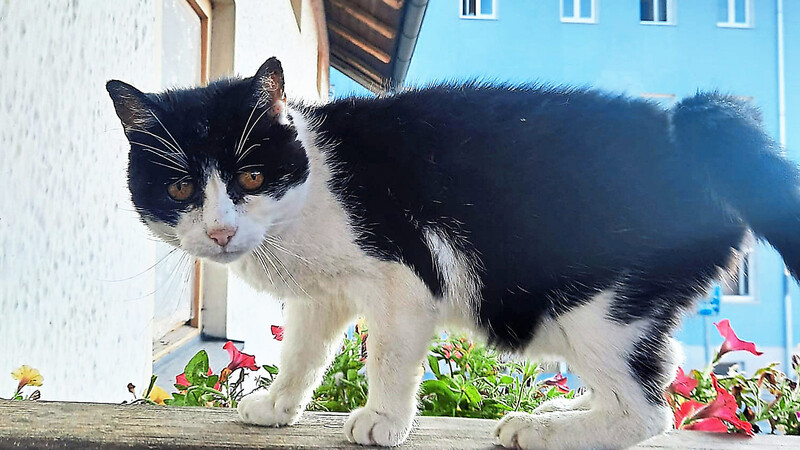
[(625, 366), (401, 324), (312, 333)]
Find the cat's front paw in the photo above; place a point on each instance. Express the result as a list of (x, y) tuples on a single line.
[(368, 427), (268, 410)]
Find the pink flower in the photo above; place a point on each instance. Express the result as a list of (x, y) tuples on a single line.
[(181, 380), (683, 385), (277, 332), (712, 417), (239, 359), (559, 381), (732, 342)]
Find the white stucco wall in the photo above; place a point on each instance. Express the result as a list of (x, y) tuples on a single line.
[(75, 280), (69, 239)]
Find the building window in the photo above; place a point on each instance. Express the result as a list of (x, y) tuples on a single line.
[(579, 11), (735, 13), (739, 283), (478, 9), (657, 12)]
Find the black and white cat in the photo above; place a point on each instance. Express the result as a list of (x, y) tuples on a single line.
[(554, 221)]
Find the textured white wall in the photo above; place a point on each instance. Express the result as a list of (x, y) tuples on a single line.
[(69, 240)]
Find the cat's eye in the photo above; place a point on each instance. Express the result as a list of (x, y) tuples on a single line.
[(181, 190), (250, 181)]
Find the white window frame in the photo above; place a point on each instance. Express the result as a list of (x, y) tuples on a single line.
[(478, 14), (576, 12), (748, 16), (672, 13), (749, 251)]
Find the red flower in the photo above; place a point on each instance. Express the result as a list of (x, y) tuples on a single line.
[(277, 332), (446, 349), (239, 359), (559, 381), (715, 416), (182, 381), (683, 385), (732, 342)]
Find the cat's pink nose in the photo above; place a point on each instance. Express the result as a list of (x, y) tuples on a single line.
[(221, 235)]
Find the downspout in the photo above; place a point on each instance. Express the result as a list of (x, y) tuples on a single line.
[(787, 299), (409, 32)]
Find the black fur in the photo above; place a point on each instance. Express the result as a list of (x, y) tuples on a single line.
[(562, 193)]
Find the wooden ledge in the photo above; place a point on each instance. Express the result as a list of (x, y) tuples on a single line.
[(87, 426)]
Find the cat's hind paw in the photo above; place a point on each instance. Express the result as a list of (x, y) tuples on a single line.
[(268, 410), (368, 427)]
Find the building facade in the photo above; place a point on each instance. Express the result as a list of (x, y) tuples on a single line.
[(662, 50)]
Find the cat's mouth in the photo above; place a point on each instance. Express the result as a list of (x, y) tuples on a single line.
[(225, 256)]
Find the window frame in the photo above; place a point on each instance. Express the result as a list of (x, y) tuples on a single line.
[(576, 8), (749, 11), (672, 13), (478, 15)]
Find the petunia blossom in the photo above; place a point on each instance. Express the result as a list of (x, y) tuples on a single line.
[(683, 385), (732, 342), (277, 332), (239, 359), (182, 381), (27, 376), (721, 411), (559, 381)]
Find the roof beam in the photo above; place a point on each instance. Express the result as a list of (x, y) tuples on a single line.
[(365, 18), (365, 46)]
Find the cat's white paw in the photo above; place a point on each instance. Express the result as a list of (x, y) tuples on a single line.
[(559, 404), (368, 427), (268, 410), (520, 430)]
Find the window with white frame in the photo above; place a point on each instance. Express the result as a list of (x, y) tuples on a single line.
[(579, 11), (739, 282), (478, 9), (657, 12), (735, 13)]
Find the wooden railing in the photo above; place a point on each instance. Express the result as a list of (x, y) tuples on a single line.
[(87, 426)]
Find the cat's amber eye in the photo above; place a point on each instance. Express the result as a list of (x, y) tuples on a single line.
[(181, 190), (250, 181)]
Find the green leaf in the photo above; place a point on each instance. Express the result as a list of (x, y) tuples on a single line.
[(473, 396), (506, 380), (197, 368), (352, 374), (433, 362), (271, 369), (438, 387), (212, 380)]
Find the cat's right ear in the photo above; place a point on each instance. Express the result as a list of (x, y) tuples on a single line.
[(133, 107)]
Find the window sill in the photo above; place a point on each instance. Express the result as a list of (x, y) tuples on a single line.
[(660, 24), (492, 17), (734, 25), (740, 299), (578, 20)]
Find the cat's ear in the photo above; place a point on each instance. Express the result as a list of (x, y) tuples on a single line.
[(268, 88), (133, 107)]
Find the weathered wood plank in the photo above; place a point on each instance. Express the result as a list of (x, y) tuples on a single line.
[(55, 425)]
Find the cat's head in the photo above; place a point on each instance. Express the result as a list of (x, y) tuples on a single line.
[(212, 170)]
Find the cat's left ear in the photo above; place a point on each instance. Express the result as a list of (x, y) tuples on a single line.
[(133, 107), (268, 88)]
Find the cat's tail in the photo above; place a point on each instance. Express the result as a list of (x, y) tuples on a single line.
[(723, 139)]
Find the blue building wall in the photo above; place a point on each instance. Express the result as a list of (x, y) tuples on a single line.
[(528, 42)]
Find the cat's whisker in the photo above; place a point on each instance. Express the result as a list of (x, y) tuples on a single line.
[(177, 169), (252, 127), (240, 142), (288, 273), (277, 246), (162, 140), (259, 257), (170, 253), (246, 152), (170, 156), (168, 133)]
